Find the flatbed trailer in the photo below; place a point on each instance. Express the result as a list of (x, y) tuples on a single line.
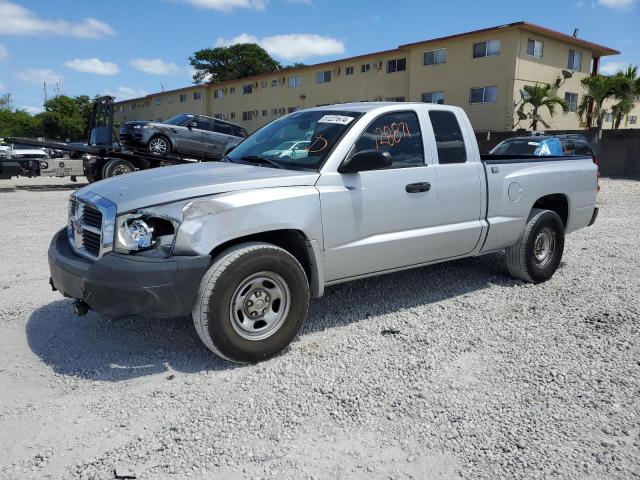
[(103, 155), (101, 161)]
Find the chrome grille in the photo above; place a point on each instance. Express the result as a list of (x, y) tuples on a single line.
[(92, 217), (91, 242), (91, 221)]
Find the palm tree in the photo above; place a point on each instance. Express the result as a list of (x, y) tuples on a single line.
[(626, 86), (599, 89), (538, 96)]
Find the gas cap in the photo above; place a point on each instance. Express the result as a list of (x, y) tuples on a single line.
[(515, 192)]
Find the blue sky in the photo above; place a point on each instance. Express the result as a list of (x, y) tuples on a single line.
[(130, 48)]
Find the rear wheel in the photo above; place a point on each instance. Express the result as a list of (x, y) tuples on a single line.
[(160, 145), (537, 254), (117, 167), (251, 303)]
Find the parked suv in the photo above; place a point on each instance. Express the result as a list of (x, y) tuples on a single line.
[(184, 134), (541, 145)]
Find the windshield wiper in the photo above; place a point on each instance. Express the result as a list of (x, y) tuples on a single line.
[(259, 159)]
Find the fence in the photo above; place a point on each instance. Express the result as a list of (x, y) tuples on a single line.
[(618, 150)]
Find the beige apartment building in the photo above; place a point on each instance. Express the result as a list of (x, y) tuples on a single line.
[(481, 71)]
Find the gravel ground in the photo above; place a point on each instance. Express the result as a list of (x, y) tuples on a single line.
[(452, 371)]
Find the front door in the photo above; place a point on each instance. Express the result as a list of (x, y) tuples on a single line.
[(382, 219)]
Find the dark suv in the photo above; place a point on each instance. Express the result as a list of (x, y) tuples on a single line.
[(184, 134)]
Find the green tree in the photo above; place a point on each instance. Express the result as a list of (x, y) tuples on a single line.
[(220, 64), (6, 102), (599, 89), (626, 90), (18, 123), (537, 97), (65, 117)]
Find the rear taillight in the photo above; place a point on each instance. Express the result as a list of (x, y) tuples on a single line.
[(595, 161)]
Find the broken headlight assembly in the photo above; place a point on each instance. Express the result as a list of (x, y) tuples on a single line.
[(145, 233)]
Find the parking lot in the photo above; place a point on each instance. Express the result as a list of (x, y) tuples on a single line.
[(452, 371)]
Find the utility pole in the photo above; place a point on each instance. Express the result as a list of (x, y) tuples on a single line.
[(45, 92)]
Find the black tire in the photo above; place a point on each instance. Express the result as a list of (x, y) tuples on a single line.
[(156, 143), (215, 319), (117, 167), (526, 259)]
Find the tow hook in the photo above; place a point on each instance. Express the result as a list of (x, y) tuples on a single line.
[(80, 308)]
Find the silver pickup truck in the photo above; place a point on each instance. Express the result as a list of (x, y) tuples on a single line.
[(242, 245)]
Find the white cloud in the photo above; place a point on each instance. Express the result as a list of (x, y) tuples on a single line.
[(229, 5), (154, 66), (92, 65), (609, 68), (619, 4), (291, 46), (125, 93), (4, 53), (38, 75), (32, 109), (17, 20)]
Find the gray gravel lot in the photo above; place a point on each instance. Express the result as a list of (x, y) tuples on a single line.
[(453, 371)]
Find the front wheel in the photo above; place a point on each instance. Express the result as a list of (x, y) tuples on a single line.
[(537, 254), (251, 303), (159, 145)]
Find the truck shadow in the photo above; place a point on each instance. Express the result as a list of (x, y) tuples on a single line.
[(97, 349)]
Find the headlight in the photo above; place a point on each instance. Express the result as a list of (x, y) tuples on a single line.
[(142, 232), (137, 126)]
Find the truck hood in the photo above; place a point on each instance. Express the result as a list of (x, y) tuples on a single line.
[(170, 184)]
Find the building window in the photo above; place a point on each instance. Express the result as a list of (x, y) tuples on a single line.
[(534, 48), (182, 97), (486, 49), (247, 116), (265, 113), (217, 93), (572, 101), (433, 97), (397, 65), (293, 109), (348, 71), (323, 77), (633, 119), (263, 84), (575, 60), (484, 95), (274, 112), (158, 101), (132, 107), (247, 89), (274, 82), (608, 117), (232, 115), (365, 67), (394, 99), (449, 139), (293, 81), (232, 89), (197, 95), (434, 57)]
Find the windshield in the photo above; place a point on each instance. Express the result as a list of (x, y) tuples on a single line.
[(316, 132), (18, 146), (179, 119)]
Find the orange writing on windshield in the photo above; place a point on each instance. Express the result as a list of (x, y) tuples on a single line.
[(391, 135), (318, 144)]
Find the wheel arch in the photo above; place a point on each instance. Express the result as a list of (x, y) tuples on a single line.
[(293, 241), (556, 202), (161, 134)]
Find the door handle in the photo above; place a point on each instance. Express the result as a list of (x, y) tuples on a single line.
[(418, 187)]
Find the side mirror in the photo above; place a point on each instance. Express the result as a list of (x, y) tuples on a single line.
[(191, 125), (366, 160)]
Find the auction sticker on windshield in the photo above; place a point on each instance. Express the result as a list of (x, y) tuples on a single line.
[(339, 119)]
